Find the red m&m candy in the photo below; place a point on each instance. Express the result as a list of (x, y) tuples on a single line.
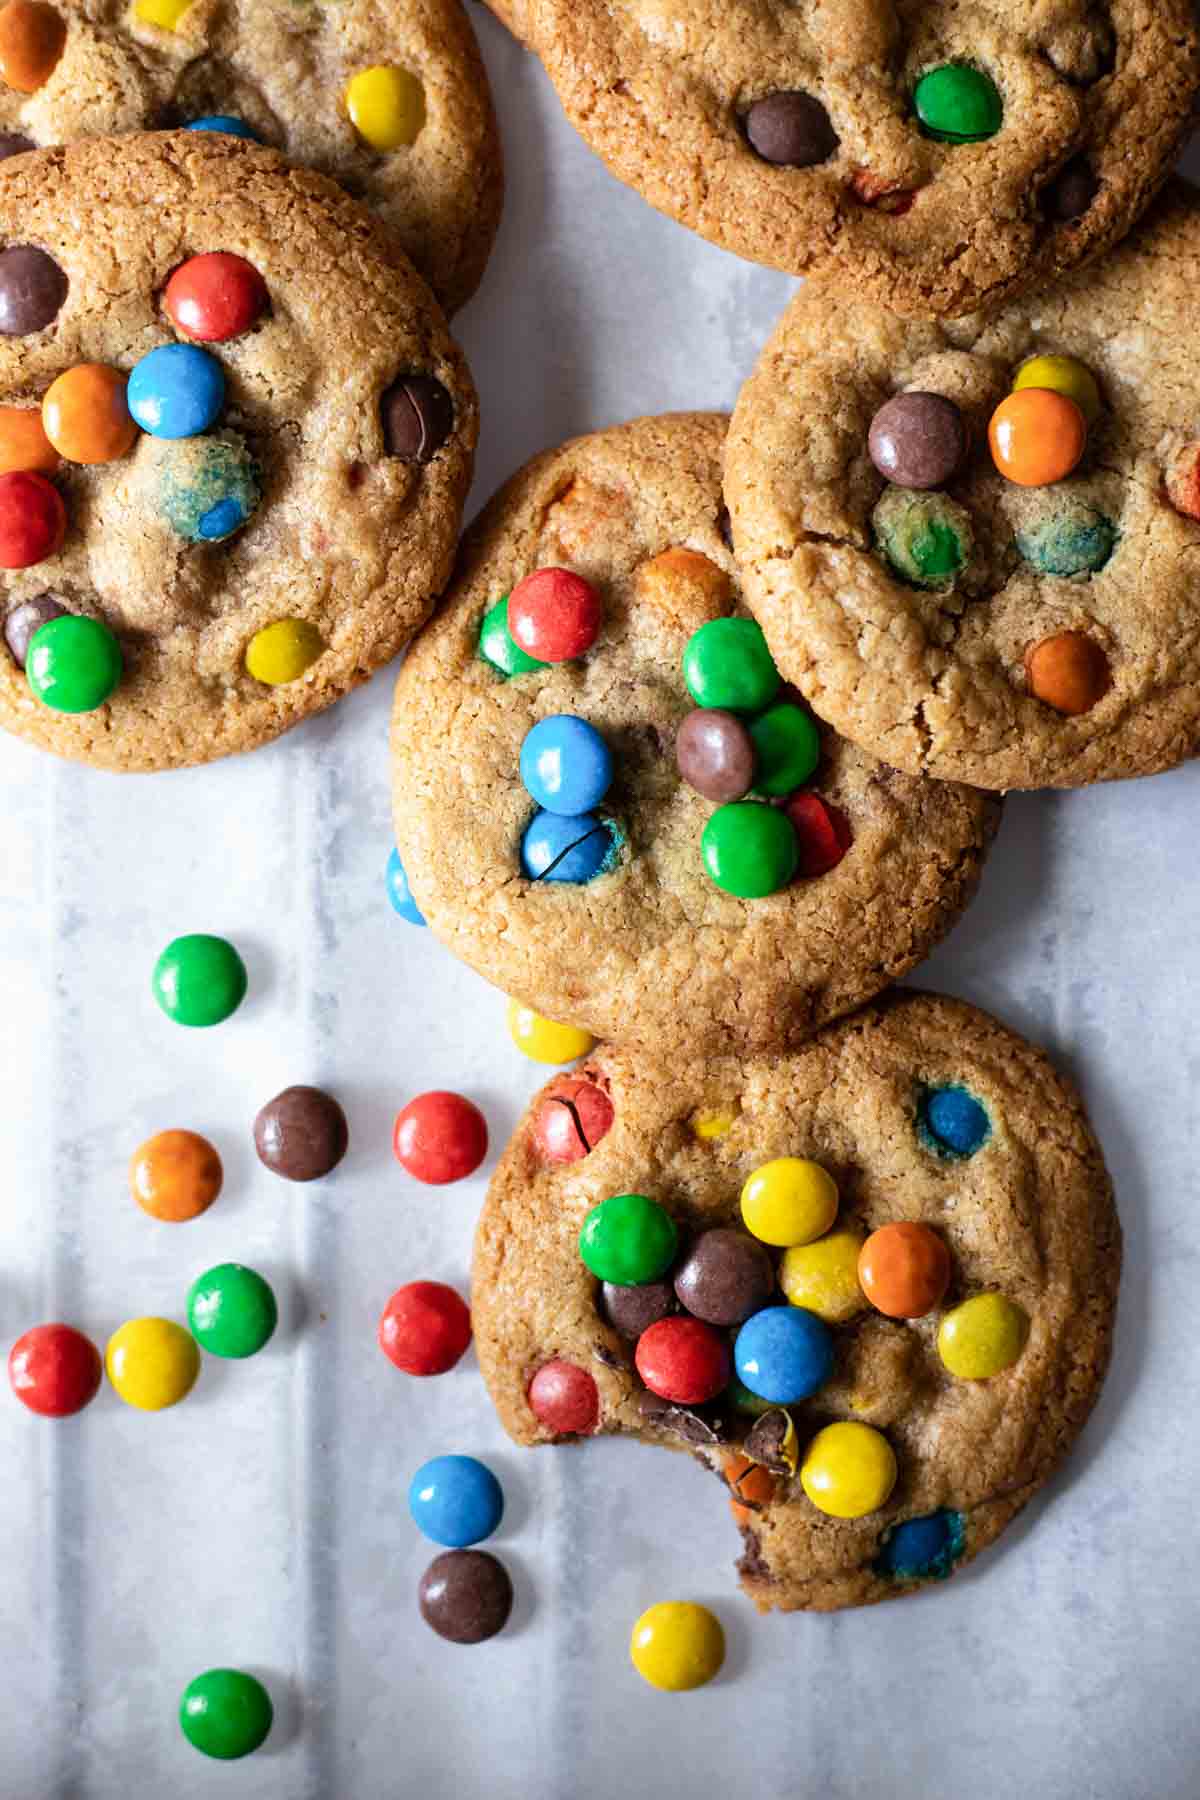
[(215, 297), (683, 1361), (440, 1137), (571, 1120), (55, 1370), (823, 834), (425, 1328), (563, 1398), (33, 519), (554, 615)]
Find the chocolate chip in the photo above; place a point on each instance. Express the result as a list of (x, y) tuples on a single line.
[(418, 417), (725, 1277), (14, 143), (632, 1310), (32, 288), (715, 754), (301, 1134), (1071, 192), (918, 440), (27, 618), (791, 128), (466, 1596)]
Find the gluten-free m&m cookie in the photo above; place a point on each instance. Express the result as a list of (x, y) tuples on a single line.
[(235, 437), (607, 801)]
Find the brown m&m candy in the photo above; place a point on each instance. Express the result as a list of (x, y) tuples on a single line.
[(466, 1596), (301, 1134), (14, 143), (715, 754), (27, 618), (791, 128), (418, 417), (918, 440), (632, 1310), (1068, 671), (725, 1277), (32, 289), (1071, 192)]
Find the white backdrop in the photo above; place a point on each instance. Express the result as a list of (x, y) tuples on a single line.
[(264, 1522)]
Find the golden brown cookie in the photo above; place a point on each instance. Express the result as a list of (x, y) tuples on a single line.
[(389, 97), (631, 936), (319, 496), (939, 157), (1014, 621), (942, 1132)]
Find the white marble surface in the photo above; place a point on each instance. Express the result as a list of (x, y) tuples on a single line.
[(264, 1522)]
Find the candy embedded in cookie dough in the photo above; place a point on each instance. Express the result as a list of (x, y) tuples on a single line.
[(571, 1120), (904, 1269), (958, 104), (683, 1360), (207, 487), (918, 440), (1183, 481), (1060, 534), (73, 664), (226, 123), (215, 296), (283, 651), (725, 1277), (727, 665), (791, 128), (849, 1470), (628, 1239), (923, 1549), (715, 754), (1069, 672), (789, 1200), (86, 417), (982, 1337), (417, 415), (554, 615), (572, 848), (26, 619), (1062, 375), (823, 1276), (33, 519), (563, 1398), (386, 105), (926, 538), (787, 749), (1037, 436), (176, 391), (784, 1354), (545, 1040), (823, 834), (566, 765), (749, 850), (32, 38), (951, 1122), (498, 646), (24, 446)]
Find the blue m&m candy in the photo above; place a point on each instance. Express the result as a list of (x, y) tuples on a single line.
[(952, 1122), (572, 847), (226, 122), (208, 487), (565, 764), (176, 391), (783, 1354), (456, 1501), (399, 892), (924, 1549)]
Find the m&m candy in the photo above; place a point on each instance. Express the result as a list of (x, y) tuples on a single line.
[(73, 664), (283, 651), (232, 1311), (440, 1137), (85, 414), (570, 1120), (25, 620), (791, 128), (918, 440), (466, 1596), (226, 123), (176, 390), (165, 14), (543, 1040), (982, 1337), (958, 104), (724, 1277), (1037, 437), (927, 538), (24, 445), (208, 488), (727, 664), (32, 290), (566, 765), (789, 1201), (215, 297), (925, 1548), (153, 1363), (225, 1713), (572, 848), (677, 1645), (783, 1354), (425, 1328), (1064, 375), (32, 38), (498, 646), (564, 1398), (1069, 672), (749, 850), (823, 1276), (952, 1122), (175, 1175), (456, 1501), (54, 1370), (1183, 481), (386, 105), (199, 980), (787, 748), (628, 1239), (715, 754), (1065, 535), (400, 893), (904, 1269), (849, 1470), (683, 1360), (301, 1134), (33, 519), (633, 1310), (823, 834), (554, 615)]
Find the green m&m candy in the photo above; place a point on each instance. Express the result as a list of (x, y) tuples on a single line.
[(498, 646), (231, 1310), (225, 1713), (727, 664), (927, 538), (628, 1240), (199, 980), (750, 850), (788, 746), (73, 664), (958, 104)]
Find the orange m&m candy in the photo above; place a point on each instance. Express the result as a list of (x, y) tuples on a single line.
[(750, 1485), (175, 1175), (32, 36), (1037, 436), (1068, 671), (904, 1270), (86, 416), (23, 442)]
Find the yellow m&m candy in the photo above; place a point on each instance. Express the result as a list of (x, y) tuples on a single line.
[(544, 1041), (982, 1336), (848, 1470), (789, 1201), (823, 1276), (709, 1126), (152, 1363), (677, 1645), (166, 14), (283, 651), (1063, 375), (386, 106)]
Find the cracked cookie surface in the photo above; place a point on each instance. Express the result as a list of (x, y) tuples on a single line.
[(651, 951), (348, 542), (945, 678), (1029, 1215)]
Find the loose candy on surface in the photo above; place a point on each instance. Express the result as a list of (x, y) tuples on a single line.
[(904, 1269), (425, 1328), (554, 615), (564, 1398), (571, 848), (232, 1311), (440, 1137), (417, 415), (32, 290), (683, 1360), (85, 414), (208, 488), (225, 1713), (72, 664), (677, 1646), (565, 764), (823, 834), (175, 1175), (958, 104), (787, 747), (54, 1370), (283, 651), (400, 893), (927, 538), (152, 1363), (465, 1596), (215, 297), (789, 1200), (498, 646), (571, 1120), (749, 850), (456, 1501), (25, 620), (783, 1354), (952, 1122), (823, 1276), (792, 129), (714, 753), (724, 1277), (1069, 672), (33, 36), (301, 1134), (386, 105), (199, 980), (24, 446), (544, 1040), (923, 1549), (632, 1310), (176, 390), (1037, 437), (727, 665), (33, 519), (982, 1337), (1065, 375), (918, 440), (628, 1239), (849, 1470)]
